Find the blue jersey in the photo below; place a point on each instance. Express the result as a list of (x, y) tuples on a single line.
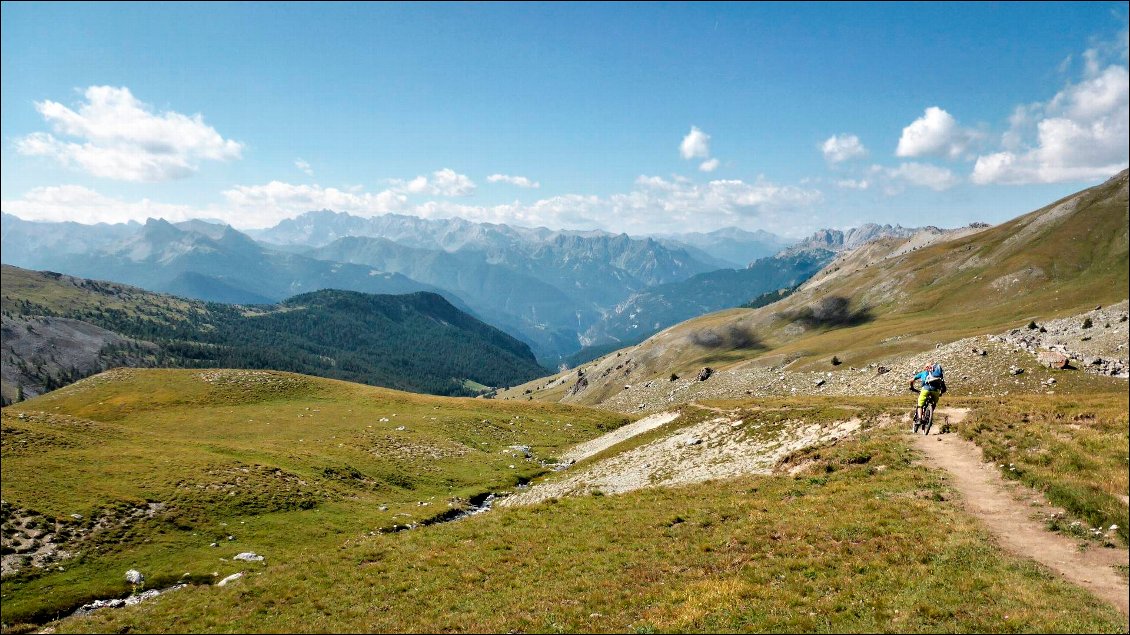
[(929, 380)]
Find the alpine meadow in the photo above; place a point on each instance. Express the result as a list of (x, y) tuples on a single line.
[(464, 317)]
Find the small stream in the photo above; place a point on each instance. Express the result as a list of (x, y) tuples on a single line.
[(478, 504)]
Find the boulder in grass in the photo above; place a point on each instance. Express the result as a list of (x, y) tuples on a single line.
[(248, 556), (1053, 359), (134, 577)]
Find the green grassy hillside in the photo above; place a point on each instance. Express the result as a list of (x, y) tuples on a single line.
[(861, 539), (160, 464)]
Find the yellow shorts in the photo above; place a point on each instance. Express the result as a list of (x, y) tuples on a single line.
[(925, 394)]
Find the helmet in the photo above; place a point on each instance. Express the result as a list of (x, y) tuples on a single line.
[(928, 366)]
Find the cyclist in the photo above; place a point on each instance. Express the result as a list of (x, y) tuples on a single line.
[(933, 386)]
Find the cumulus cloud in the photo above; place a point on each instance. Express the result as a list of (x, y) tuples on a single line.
[(696, 145), (840, 148), (448, 182), (936, 134), (445, 182), (304, 166), (1080, 134), (75, 202), (119, 137), (708, 165), (519, 181), (923, 175)]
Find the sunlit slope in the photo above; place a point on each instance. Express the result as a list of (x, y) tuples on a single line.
[(175, 460), (858, 538), (1060, 260), (893, 297)]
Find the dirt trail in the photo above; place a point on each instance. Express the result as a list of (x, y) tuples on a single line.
[(589, 448), (993, 500)]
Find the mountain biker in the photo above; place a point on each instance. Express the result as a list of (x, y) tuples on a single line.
[(933, 385)]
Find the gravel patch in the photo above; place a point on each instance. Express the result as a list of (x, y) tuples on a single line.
[(719, 448)]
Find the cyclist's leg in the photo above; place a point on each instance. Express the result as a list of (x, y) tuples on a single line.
[(933, 398)]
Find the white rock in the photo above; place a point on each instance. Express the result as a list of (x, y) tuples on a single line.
[(230, 578), (133, 576), (248, 556)]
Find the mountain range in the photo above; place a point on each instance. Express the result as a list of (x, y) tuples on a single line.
[(552, 289)]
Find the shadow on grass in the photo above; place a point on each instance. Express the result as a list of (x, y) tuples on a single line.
[(830, 312), (731, 337)]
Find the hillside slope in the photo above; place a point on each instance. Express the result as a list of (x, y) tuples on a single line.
[(417, 342)]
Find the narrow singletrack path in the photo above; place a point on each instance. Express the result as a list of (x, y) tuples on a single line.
[(992, 499)]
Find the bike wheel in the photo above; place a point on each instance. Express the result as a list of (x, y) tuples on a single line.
[(927, 418)]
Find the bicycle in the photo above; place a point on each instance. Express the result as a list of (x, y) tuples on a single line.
[(926, 420)]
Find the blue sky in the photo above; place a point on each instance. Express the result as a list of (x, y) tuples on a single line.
[(636, 117)]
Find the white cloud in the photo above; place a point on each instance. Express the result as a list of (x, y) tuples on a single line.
[(418, 185), (304, 166), (924, 175), (266, 205), (840, 148), (853, 184), (656, 204), (656, 182), (709, 165), (448, 182), (124, 139), (937, 134), (1080, 134), (519, 181), (445, 182), (695, 145), (78, 203)]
